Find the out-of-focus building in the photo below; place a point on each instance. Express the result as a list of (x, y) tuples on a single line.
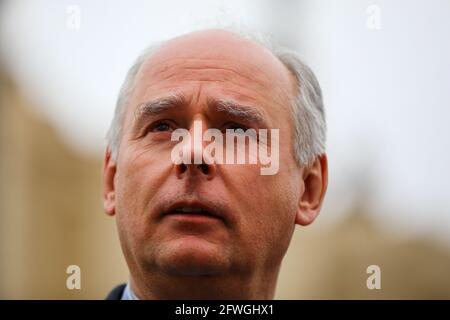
[(51, 214), (51, 217), (332, 263)]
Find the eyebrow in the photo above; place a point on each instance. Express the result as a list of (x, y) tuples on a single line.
[(236, 110), (156, 106), (229, 107), (159, 105)]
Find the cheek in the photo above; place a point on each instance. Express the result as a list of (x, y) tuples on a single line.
[(279, 219), (268, 207), (276, 202), (140, 170), (138, 180)]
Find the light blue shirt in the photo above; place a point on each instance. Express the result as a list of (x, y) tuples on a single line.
[(128, 293)]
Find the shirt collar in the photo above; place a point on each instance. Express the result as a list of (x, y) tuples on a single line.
[(128, 293)]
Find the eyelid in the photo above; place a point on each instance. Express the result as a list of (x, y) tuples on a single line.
[(172, 124), (238, 124)]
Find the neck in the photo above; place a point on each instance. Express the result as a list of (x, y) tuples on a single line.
[(167, 287)]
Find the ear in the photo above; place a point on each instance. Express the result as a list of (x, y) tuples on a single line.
[(109, 173), (315, 180)]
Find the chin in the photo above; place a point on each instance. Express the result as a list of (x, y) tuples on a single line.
[(192, 256)]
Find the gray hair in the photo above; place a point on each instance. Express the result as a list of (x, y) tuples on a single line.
[(307, 105)]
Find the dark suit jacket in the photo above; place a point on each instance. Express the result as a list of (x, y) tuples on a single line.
[(116, 293)]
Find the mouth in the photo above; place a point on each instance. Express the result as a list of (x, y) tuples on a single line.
[(196, 211)]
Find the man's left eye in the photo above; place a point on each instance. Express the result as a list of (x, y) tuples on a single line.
[(235, 126)]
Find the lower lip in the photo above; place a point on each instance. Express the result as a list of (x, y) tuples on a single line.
[(193, 217)]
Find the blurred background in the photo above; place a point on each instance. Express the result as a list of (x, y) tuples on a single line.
[(384, 68)]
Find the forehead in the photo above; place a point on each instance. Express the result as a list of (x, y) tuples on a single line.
[(219, 62)]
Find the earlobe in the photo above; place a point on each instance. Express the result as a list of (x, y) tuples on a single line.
[(315, 180), (109, 173)]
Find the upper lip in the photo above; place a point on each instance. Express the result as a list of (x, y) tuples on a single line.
[(196, 206)]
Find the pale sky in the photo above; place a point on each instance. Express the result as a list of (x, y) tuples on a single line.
[(384, 72)]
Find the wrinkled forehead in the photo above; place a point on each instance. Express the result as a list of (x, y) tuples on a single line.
[(221, 45), (214, 49)]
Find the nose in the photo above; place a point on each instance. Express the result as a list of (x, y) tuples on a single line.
[(204, 168), (194, 148)]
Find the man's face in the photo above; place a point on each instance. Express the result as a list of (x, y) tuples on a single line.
[(252, 216)]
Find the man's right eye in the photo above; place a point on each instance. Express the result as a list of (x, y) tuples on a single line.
[(160, 127)]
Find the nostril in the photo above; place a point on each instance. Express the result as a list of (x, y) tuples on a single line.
[(183, 167), (204, 168)]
